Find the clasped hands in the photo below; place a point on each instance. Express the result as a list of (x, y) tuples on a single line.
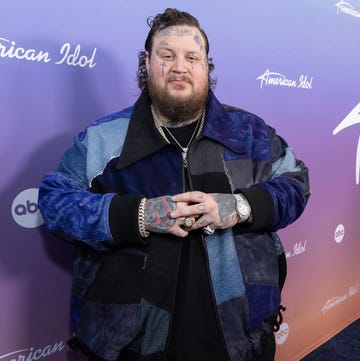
[(186, 212)]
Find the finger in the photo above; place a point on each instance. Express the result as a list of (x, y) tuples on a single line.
[(189, 211), (180, 205), (178, 231), (194, 196), (203, 222)]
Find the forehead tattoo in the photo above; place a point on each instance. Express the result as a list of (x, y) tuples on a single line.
[(163, 43), (180, 31), (198, 41)]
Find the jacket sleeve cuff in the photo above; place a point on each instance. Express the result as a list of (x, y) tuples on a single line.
[(262, 209), (123, 221)]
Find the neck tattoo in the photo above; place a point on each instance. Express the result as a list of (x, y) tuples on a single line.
[(184, 150)]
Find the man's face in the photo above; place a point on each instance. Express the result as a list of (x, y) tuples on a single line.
[(178, 73)]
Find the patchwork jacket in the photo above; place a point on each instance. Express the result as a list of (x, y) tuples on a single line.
[(124, 286)]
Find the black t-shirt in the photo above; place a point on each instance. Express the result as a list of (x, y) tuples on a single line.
[(195, 334)]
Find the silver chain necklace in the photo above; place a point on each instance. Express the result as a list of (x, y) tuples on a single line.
[(196, 133)]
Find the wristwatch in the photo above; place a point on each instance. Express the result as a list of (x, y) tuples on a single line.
[(242, 207)]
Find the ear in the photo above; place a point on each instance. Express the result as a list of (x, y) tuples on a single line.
[(147, 61)]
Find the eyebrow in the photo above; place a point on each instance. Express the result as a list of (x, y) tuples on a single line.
[(166, 48)]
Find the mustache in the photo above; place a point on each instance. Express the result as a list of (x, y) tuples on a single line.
[(180, 77)]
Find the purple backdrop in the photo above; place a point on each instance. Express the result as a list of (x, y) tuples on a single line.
[(66, 64)]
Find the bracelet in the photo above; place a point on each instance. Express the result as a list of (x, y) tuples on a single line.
[(141, 219)]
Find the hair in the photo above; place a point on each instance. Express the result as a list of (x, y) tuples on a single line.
[(170, 17)]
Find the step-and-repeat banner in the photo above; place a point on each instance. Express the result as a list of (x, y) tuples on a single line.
[(65, 63)]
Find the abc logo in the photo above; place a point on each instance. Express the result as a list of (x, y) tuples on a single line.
[(25, 210), (339, 233), (282, 334)]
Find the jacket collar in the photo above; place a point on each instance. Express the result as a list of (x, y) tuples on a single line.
[(223, 128), (143, 138)]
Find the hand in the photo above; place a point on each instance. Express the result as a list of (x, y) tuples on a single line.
[(158, 219), (214, 209)]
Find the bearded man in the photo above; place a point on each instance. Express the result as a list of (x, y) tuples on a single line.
[(172, 205)]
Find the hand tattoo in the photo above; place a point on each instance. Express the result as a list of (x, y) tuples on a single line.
[(226, 207), (157, 214)]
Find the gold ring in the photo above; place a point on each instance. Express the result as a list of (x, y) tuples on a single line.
[(188, 222)]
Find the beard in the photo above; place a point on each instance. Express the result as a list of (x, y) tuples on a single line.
[(177, 109)]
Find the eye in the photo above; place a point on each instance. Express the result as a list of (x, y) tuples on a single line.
[(167, 56), (192, 58)]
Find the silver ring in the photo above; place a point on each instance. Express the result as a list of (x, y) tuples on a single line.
[(188, 222), (208, 230)]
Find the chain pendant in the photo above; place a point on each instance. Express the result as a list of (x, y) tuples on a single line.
[(184, 152)]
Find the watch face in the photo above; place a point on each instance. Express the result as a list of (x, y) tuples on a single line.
[(244, 209)]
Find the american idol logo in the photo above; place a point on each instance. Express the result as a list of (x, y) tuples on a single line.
[(31, 354), (331, 303), (270, 78), (335, 301), (351, 119), (68, 54), (344, 7), (299, 248)]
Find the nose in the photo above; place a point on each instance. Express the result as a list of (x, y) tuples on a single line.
[(179, 65)]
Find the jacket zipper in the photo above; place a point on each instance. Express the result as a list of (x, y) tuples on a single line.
[(163, 358)]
